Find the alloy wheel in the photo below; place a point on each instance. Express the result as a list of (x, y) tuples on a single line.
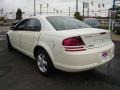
[(42, 62)]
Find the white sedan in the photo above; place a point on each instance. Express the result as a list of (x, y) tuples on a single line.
[(61, 42)]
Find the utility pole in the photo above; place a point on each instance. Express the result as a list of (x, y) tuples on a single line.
[(40, 8), (115, 11), (76, 5), (69, 10), (83, 9), (114, 4), (47, 8), (88, 10), (69, 7), (34, 8), (13, 14)]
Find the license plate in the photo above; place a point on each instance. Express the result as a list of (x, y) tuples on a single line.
[(105, 55)]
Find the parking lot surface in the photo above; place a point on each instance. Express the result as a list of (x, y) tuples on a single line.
[(19, 72)]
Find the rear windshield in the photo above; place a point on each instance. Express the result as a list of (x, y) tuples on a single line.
[(66, 23)]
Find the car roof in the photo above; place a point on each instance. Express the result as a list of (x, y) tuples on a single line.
[(44, 16)]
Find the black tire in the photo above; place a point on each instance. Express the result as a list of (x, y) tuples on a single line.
[(49, 67), (10, 48)]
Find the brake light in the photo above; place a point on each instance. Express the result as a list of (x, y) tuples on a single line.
[(74, 44), (73, 41)]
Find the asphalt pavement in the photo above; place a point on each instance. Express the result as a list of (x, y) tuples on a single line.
[(19, 72)]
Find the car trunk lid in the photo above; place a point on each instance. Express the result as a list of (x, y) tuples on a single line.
[(96, 40), (92, 37)]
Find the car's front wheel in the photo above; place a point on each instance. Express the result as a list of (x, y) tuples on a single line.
[(44, 63)]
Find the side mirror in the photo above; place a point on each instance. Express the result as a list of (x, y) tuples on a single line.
[(12, 28)]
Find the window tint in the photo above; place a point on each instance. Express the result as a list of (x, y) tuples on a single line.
[(21, 25), (33, 25), (66, 23)]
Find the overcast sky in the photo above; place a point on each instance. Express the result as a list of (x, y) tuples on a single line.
[(27, 5)]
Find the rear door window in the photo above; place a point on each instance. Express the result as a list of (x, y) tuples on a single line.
[(33, 25)]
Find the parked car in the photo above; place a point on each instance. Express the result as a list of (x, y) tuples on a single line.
[(93, 22), (61, 42), (117, 27)]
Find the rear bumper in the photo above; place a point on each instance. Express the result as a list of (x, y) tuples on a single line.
[(85, 60)]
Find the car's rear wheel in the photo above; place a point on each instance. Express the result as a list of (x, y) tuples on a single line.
[(10, 48), (44, 63)]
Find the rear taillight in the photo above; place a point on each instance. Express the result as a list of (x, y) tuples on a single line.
[(74, 44)]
